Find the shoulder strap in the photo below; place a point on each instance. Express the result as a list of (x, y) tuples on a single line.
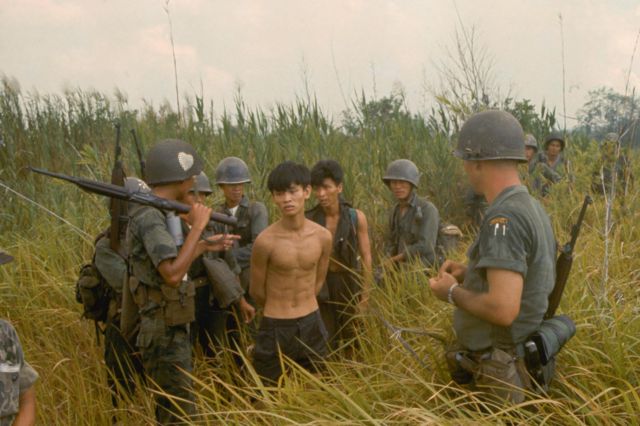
[(354, 218)]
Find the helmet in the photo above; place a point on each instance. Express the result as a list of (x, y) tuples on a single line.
[(611, 137), (5, 258), (554, 137), (172, 160), (404, 170), (530, 141), (491, 135), (232, 170), (202, 184)]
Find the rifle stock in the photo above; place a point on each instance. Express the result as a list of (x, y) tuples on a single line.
[(143, 164), (120, 193), (564, 262)]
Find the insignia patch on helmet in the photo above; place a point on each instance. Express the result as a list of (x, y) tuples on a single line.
[(499, 225), (185, 160)]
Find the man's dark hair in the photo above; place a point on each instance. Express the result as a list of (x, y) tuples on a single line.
[(286, 174), (324, 169)]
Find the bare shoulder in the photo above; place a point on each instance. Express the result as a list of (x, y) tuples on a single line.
[(362, 218), (317, 230), (264, 240)]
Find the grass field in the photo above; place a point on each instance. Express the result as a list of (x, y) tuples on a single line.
[(598, 378)]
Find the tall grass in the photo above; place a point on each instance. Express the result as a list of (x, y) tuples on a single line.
[(598, 379)]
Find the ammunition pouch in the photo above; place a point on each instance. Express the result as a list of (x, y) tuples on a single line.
[(225, 284), (176, 305)]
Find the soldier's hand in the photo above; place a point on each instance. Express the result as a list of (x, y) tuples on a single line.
[(220, 242), (441, 284), (199, 217), (456, 269), (247, 311)]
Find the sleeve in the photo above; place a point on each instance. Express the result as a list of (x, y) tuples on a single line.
[(259, 221), (152, 231), (28, 377), (110, 265), (427, 234), (502, 245)]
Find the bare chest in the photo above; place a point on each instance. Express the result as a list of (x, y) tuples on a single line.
[(295, 255)]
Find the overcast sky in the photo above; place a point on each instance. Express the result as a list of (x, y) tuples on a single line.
[(266, 47)]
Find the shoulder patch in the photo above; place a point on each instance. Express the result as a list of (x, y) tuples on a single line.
[(499, 225), (500, 220)]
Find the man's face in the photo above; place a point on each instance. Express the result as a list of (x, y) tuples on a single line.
[(291, 201), (529, 153), (232, 193), (192, 198), (184, 190), (328, 193), (554, 148), (401, 189), (472, 169)]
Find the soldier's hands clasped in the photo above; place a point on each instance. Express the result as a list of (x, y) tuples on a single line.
[(456, 269)]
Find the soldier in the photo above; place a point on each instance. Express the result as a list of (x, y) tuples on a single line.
[(214, 325), (160, 257), (349, 228), (231, 176), (17, 377), (530, 151), (119, 358), (502, 293), (413, 221), (612, 163), (288, 268), (550, 165)]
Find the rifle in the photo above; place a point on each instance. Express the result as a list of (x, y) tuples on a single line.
[(565, 261), (117, 209), (120, 193), (143, 164)]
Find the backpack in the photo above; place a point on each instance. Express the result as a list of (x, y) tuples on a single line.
[(93, 291)]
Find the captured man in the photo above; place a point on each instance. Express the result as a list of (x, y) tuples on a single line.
[(288, 267)]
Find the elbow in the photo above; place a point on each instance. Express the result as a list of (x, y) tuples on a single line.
[(505, 315), (173, 280)]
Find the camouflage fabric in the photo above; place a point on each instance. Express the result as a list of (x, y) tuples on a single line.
[(165, 349), (16, 375), (544, 174), (515, 235), (415, 233)]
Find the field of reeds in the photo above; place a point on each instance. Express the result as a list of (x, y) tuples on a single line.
[(598, 375)]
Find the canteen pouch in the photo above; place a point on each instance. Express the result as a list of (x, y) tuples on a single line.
[(224, 282), (552, 335), (179, 303)]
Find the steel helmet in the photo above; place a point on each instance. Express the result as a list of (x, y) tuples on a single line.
[(530, 141), (232, 170), (554, 137), (202, 184), (491, 135), (404, 170), (172, 160)]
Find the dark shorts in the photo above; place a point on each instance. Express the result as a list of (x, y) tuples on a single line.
[(304, 340)]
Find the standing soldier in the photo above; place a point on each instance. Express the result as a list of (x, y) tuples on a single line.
[(160, 257), (612, 164), (231, 175), (119, 358), (17, 377), (501, 295), (530, 151), (413, 222), (550, 166), (350, 246)]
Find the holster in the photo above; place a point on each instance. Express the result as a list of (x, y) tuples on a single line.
[(225, 284)]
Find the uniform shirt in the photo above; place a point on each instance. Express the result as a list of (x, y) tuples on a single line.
[(149, 243), (252, 219), (515, 235), (415, 233), (16, 375), (110, 264)]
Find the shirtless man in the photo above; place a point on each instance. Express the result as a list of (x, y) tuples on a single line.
[(288, 267)]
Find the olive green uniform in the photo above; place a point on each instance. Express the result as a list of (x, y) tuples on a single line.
[(16, 375), (414, 233), (118, 353), (165, 313), (516, 235), (544, 174)]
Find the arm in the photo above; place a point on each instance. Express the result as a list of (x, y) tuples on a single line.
[(364, 247), (323, 262), (500, 305), (427, 234), (27, 408), (259, 263)]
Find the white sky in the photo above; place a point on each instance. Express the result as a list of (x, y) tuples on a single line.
[(264, 46)]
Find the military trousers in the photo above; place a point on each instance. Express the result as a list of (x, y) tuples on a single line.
[(166, 356), (123, 363)]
